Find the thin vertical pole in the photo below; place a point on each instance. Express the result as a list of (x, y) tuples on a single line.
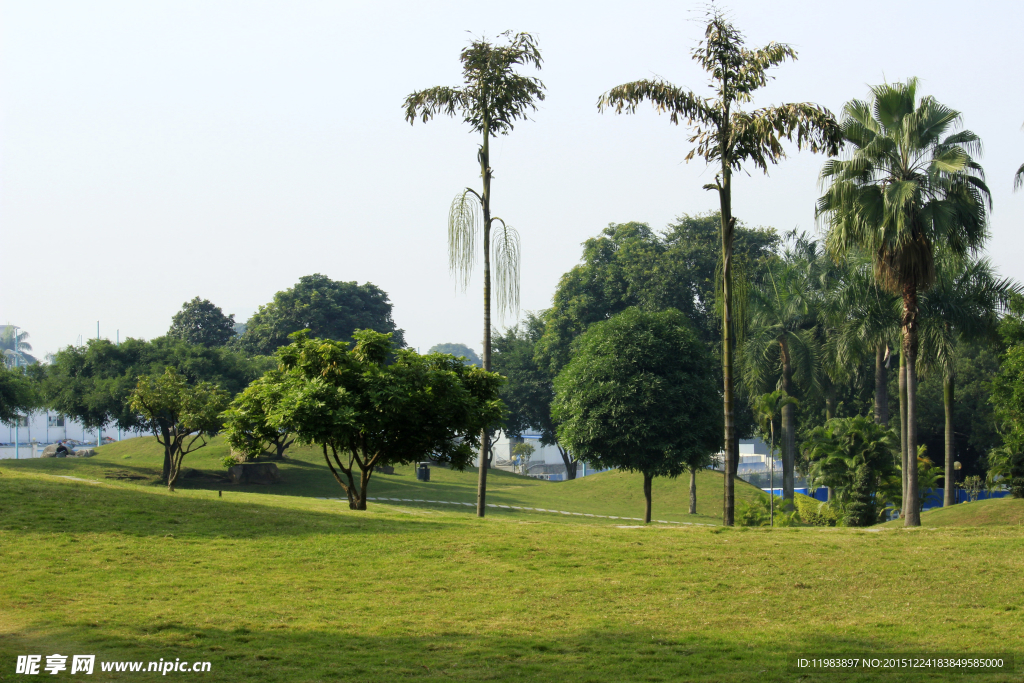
[(99, 430), (17, 418)]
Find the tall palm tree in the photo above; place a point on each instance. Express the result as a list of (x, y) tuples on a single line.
[(493, 97), (907, 185), (730, 137), (15, 348), (780, 348), (961, 306)]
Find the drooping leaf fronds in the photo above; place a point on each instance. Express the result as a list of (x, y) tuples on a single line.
[(506, 267), (1018, 178), (463, 223), (907, 184)]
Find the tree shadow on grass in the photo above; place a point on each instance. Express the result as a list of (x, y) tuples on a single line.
[(276, 652), (40, 506)]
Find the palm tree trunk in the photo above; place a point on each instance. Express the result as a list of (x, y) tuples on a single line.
[(693, 490), (913, 517), (485, 171), (881, 387), (728, 223), (647, 498), (788, 431), (903, 427), (948, 387)]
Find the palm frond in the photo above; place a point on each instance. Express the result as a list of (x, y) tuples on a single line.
[(506, 268), (463, 224)]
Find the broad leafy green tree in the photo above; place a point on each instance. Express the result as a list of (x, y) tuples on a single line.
[(529, 387), (19, 394), (730, 137), (247, 422), (93, 383), (639, 395), (459, 351), (327, 308), (493, 97), (908, 185), (201, 322), (365, 412), (181, 415)]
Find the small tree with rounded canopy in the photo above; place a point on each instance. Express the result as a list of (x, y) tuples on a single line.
[(200, 322), (180, 415), (640, 395), (364, 412)]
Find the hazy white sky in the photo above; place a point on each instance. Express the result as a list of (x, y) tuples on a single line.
[(155, 151)]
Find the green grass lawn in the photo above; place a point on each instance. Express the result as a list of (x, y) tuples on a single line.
[(992, 512), (304, 473), (274, 587)]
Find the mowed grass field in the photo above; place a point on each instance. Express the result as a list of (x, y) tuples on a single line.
[(271, 587), (304, 473)]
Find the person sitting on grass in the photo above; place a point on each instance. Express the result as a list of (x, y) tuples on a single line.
[(62, 450)]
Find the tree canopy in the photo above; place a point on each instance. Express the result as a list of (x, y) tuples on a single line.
[(92, 383), (459, 351), (200, 322), (639, 394), (365, 412), (329, 309), (18, 394)]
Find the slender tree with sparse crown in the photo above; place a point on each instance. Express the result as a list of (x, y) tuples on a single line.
[(493, 97), (728, 136)]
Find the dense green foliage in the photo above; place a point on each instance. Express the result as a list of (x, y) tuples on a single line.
[(92, 383), (18, 394), (858, 459), (1007, 398), (329, 309), (364, 412), (639, 395), (180, 414), (908, 187), (459, 351), (200, 322), (247, 420)]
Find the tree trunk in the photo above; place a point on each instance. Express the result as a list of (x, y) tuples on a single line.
[(485, 172), (167, 454), (948, 388), (570, 464), (903, 426), (830, 399), (913, 517), (364, 486), (693, 490), (881, 387), (728, 224), (788, 431), (647, 498)]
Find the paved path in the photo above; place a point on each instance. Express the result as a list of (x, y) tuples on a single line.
[(516, 507)]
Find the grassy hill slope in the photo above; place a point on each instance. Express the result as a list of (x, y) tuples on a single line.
[(305, 474), (992, 512), (281, 589)]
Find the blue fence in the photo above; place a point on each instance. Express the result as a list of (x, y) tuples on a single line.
[(932, 499)]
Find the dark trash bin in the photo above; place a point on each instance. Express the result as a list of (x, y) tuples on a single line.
[(423, 472)]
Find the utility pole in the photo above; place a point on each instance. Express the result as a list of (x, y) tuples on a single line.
[(17, 418), (99, 430)]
